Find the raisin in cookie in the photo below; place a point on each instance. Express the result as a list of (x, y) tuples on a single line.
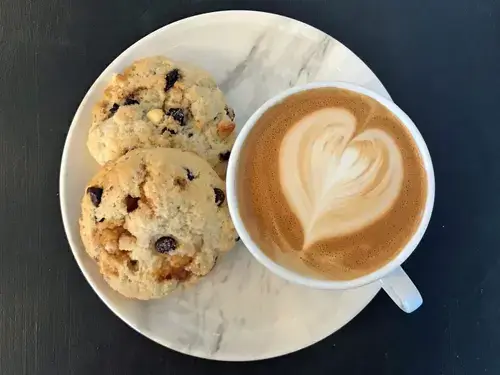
[(155, 218), (156, 102)]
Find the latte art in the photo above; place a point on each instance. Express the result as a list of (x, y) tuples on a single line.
[(335, 180), (330, 184)]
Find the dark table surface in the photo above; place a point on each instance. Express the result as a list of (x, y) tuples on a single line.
[(440, 61)]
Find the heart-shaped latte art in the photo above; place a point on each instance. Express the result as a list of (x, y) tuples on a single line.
[(335, 179)]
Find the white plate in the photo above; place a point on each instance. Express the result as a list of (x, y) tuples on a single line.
[(240, 311)]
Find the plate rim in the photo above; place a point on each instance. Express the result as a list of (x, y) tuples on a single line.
[(72, 241)]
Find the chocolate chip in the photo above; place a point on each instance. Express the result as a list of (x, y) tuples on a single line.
[(177, 114), (190, 135), (100, 221), (114, 108), (170, 79), (230, 113), (132, 203), (129, 101), (190, 174), (165, 244), (220, 197), (95, 194), (224, 156), (171, 131)]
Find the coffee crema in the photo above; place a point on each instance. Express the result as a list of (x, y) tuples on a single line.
[(330, 184)]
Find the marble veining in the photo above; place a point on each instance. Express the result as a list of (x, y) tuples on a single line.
[(274, 62), (240, 311)]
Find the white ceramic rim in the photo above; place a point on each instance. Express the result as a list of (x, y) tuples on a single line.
[(74, 239), (293, 276)]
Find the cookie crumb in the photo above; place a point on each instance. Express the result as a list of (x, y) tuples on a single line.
[(132, 203)]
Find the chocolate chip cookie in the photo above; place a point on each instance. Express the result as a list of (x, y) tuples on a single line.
[(156, 102), (155, 218)]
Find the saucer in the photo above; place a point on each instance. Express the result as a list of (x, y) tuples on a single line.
[(240, 311)]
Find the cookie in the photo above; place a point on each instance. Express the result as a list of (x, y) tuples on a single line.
[(154, 219), (156, 102)]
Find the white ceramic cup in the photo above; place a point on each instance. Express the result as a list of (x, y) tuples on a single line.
[(392, 278)]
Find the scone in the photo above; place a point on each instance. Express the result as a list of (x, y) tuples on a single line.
[(156, 102), (155, 218)]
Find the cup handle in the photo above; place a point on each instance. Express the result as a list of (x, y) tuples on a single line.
[(402, 291)]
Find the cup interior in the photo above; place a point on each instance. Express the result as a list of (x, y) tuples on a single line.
[(295, 277)]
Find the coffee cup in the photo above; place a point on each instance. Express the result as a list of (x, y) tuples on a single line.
[(365, 213)]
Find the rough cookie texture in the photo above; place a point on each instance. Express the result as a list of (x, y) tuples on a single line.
[(160, 103), (153, 219)]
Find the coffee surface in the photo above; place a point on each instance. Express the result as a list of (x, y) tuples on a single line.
[(331, 184)]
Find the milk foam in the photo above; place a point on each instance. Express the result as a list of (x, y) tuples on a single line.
[(336, 179)]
